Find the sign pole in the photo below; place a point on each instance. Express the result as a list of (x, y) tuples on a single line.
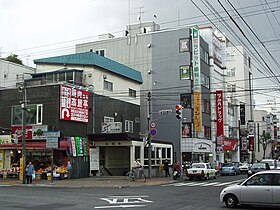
[(52, 167)]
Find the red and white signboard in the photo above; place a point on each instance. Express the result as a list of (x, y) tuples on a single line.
[(73, 104), (230, 145), (220, 112), (18, 131)]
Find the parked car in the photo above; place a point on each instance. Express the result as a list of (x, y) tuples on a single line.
[(201, 170), (244, 168), (256, 167), (278, 165), (260, 189), (271, 163), (229, 169)]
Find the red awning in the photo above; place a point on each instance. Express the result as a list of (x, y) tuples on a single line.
[(33, 145)]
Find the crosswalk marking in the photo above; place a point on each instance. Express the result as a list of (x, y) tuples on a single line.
[(203, 184)]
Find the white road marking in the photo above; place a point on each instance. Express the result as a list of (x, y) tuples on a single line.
[(119, 206)]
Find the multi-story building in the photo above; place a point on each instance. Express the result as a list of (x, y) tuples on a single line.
[(175, 67), (11, 73), (239, 75)]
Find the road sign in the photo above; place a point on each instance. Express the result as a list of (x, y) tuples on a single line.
[(153, 124), (163, 112), (153, 132), (52, 142)]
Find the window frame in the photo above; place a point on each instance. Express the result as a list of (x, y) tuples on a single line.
[(107, 85), (128, 126)]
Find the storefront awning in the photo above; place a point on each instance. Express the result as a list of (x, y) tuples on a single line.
[(33, 145)]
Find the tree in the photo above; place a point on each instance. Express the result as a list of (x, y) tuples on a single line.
[(14, 58), (264, 141)]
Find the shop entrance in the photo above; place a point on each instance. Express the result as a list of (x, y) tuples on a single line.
[(114, 161)]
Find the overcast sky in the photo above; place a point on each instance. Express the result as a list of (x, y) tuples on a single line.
[(42, 28)]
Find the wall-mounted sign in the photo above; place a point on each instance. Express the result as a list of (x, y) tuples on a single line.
[(196, 79), (73, 104), (220, 112), (230, 145)]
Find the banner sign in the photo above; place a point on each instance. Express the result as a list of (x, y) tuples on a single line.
[(18, 131), (230, 145), (244, 144), (73, 104), (220, 112), (242, 114), (251, 143), (94, 158), (251, 128), (196, 79)]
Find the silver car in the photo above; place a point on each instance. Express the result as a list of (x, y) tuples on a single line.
[(262, 188)]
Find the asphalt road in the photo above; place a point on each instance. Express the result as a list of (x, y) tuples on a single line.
[(183, 194)]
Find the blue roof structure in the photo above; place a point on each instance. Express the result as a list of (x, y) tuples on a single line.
[(93, 59)]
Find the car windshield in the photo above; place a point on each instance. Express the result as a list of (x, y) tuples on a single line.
[(258, 165), (198, 165)]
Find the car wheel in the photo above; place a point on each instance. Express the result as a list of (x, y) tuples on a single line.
[(231, 201)]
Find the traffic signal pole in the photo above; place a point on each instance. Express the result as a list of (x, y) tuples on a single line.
[(149, 137)]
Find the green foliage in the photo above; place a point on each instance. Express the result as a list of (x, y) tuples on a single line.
[(265, 140), (14, 58)]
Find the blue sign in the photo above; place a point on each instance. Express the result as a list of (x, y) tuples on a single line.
[(153, 132)]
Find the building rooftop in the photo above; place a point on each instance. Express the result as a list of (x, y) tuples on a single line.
[(93, 59)]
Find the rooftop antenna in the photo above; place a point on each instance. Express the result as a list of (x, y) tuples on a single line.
[(139, 16)]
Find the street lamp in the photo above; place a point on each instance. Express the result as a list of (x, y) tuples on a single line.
[(23, 109)]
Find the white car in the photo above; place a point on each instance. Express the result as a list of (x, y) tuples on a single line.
[(201, 170), (271, 163), (244, 168), (262, 188)]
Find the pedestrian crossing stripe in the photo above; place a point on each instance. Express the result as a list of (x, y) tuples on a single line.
[(203, 184)]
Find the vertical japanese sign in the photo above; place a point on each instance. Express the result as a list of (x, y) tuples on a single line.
[(73, 143), (70, 149), (73, 104), (242, 114), (196, 79), (220, 112), (79, 146), (251, 134)]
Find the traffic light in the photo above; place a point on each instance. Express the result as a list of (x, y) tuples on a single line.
[(178, 111)]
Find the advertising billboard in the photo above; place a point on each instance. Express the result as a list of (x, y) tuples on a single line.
[(73, 104)]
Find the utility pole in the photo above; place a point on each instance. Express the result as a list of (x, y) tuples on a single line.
[(149, 137), (23, 108)]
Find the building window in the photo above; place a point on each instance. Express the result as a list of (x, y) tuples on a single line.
[(108, 85), (205, 81), (186, 100), (185, 72), (204, 55), (206, 106), (100, 52), (132, 93), (207, 132), (129, 126), (34, 115), (184, 45)]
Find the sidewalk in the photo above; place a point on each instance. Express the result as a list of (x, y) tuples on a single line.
[(108, 181)]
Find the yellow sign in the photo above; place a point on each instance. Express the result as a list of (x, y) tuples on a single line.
[(21, 169), (197, 113)]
